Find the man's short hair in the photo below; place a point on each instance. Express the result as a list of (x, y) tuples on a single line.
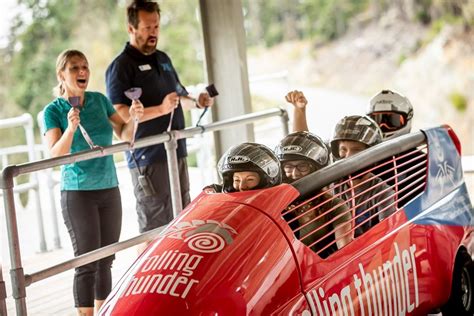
[(140, 5)]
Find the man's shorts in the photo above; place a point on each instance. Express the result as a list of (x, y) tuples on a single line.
[(157, 210)]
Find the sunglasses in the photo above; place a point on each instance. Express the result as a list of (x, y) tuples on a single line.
[(389, 121)]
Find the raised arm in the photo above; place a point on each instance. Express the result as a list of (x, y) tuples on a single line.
[(299, 102)]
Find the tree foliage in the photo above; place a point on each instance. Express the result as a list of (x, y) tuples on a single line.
[(98, 28), (281, 20), (40, 33)]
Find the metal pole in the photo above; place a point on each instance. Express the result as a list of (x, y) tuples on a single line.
[(16, 271), (93, 256), (52, 202), (30, 141), (173, 172), (3, 295), (51, 185), (284, 122)]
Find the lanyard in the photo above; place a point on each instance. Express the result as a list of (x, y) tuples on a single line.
[(87, 137), (202, 114), (171, 121), (132, 143), (135, 127), (134, 94), (75, 102)]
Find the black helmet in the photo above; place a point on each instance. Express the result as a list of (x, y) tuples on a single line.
[(249, 157), (303, 146), (392, 111), (358, 128)]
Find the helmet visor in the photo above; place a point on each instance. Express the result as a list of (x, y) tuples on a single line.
[(389, 121)]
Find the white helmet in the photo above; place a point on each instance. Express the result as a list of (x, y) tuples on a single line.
[(392, 112)]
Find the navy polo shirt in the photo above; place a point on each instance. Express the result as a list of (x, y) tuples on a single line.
[(157, 77)]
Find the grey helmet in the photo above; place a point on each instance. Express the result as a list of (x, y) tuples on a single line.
[(392, 111), (358, 128), (249, 157), (303, 146)]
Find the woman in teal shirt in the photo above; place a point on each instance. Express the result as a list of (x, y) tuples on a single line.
[(90, 198)]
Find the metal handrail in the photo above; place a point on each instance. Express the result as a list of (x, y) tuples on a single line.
[(16, 170), (92, 256), (19, 279)]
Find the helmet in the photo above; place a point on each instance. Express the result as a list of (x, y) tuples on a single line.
[(392, 111), (358, 128), (303, 146), (249, 157)]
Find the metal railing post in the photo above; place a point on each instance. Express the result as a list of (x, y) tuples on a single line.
[(284, 122), (173, 172), (30, 141), (52, 201), (51, 185), (16, 271), (3, 294)]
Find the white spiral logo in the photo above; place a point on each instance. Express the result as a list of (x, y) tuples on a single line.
[(206, 242)]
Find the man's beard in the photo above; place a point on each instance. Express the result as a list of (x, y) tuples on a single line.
[(148, 49)]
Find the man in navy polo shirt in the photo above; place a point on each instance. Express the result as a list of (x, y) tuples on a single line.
[(141, 65)]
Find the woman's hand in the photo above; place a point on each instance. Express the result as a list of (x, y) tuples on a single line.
[(73, 119), (137, 110), (296, 98)]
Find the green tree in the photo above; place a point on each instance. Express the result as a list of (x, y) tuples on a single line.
[(276, 21), (181, 38), (55, 25)]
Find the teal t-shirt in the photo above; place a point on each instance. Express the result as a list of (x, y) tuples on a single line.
[(92, 174)]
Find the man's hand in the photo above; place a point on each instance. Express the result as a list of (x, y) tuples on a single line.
[(296, 98), (170, 102), (204, 100), (137, 110)]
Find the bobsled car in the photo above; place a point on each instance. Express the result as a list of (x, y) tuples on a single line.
[(245, 254)]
